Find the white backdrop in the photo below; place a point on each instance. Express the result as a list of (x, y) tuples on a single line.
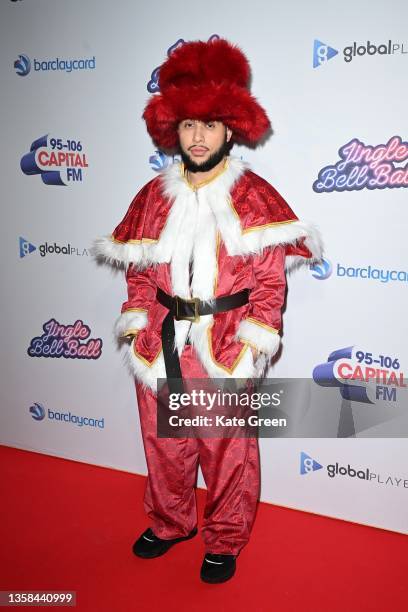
[(85, 408)]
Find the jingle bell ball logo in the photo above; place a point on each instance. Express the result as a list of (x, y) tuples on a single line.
[(68, 341), (153, 84), (362, 166), (362, 376), (323, 52), (59, 161)]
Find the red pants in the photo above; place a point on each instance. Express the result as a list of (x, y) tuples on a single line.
[(230, 467)]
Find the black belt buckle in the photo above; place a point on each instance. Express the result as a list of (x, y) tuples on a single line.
[(194, 318)]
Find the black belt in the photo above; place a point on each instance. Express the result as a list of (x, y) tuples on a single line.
[(188, 310)]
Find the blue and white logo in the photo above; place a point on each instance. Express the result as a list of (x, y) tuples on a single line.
[(307, 464), (25, 247), (322, 270), (322, 53), (22, 65), (159, 161), (37, 411)]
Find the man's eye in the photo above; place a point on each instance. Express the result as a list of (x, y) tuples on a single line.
[(210, 124)]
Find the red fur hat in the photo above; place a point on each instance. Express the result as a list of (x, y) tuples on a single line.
[(205, 81)]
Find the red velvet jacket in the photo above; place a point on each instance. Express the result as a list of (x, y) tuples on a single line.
[(240, 233)]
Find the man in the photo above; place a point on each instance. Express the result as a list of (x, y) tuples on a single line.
[(205, 245)]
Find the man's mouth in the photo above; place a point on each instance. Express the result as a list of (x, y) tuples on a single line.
[(198, 151)]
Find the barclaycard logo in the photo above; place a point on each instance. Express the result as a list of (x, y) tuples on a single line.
[(37, 411), (322, 53), (22, 65), (321, 270), (308, 465)]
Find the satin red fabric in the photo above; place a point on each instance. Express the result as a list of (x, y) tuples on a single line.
[(230, 467)]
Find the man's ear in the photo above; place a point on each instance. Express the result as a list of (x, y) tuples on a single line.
[(229, 134)]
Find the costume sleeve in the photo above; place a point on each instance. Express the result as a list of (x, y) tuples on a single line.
[(141, 287), (263, 322)]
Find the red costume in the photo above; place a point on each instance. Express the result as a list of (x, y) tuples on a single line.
[(239, 233)]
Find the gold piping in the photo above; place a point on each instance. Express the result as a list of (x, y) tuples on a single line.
[(268, 327), (217, 253), (135, 310), (130, 332), (147, 363), (203, 183), (259, 227), (134, 241), (220, 365)]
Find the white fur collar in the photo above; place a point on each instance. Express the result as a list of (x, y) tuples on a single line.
[(216, 194)]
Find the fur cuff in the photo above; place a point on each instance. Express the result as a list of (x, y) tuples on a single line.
[(130, 321), (145, 372), (106, 248), (262, 337)]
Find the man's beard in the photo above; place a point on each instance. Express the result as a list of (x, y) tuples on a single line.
[(214, 159)]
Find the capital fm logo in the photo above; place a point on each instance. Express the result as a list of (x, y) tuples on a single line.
[(153, 83), (22, 65), (361, 376), (364, 166), (323, 52), (26, 247), (59, 161), (37, 411), (67, 341), (160, 161)]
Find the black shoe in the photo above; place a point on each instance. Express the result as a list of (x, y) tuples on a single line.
[(149, 545), (217, 568)]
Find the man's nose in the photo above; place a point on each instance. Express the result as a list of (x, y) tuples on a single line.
[(198, 133)]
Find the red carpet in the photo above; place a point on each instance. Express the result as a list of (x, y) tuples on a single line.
[(70, 526)]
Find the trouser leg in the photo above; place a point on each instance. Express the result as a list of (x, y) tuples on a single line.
[(231, 472), (169, 499)]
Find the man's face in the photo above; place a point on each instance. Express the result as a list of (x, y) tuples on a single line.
[(202, 142)]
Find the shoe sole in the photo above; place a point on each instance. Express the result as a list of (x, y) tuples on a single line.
[(166, 547), (218, 580)]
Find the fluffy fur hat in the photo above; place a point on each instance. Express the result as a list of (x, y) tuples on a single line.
[(205, 81)]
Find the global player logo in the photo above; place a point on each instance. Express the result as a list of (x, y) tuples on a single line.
[(364, 166), (153, 84), (322, 53), (308, 465), (361, 376), (59, 161), (22, 65), (25, 247)]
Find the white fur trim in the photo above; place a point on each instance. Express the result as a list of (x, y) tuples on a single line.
[(105, 247), (144, 373), (264, 340), (130, 320), (180, 223)]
